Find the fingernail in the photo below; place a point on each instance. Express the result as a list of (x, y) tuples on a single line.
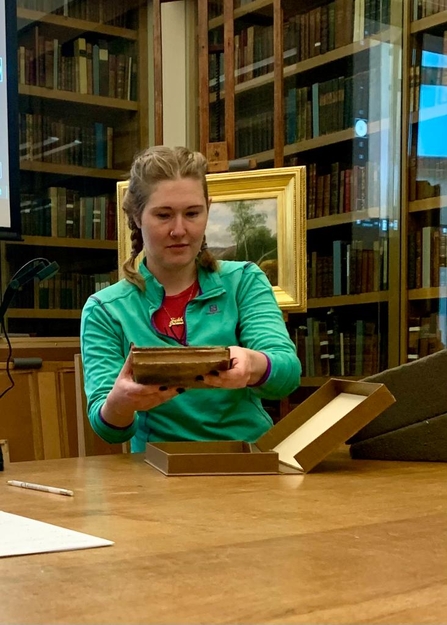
[(214, 372), (162, 388), (199, 378), (180, 390)]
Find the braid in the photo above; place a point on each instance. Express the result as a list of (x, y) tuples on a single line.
[(206, 259), (137, 240), (131, 274)]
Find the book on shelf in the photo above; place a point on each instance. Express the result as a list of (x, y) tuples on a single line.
[(65, 291), (87, 66), (65, 212), (337, 188), (333, 25), (102, 11), (355, 267), (334, 346), (425, 8), (51, 140), (427, 257), (427, 334), (329, 106)]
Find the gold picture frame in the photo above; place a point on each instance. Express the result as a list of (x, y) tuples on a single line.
[(273, 202)]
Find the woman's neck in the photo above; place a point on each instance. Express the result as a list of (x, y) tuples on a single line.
[(175, 281)]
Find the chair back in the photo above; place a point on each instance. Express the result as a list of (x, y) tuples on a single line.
[(89, 443)]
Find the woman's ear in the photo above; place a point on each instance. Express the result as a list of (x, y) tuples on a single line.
[(209, 203)]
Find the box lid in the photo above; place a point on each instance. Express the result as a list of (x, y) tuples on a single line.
[(325, 420)]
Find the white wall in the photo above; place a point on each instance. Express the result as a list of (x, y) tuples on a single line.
[(179, 57)]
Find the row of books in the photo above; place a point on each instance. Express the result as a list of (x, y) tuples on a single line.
[(333, 25), (427, 175), (50, 140), (114, 13), (354, 267), (337, 188), (80, 66), (333, 347), (65, 291), (424, 8), (434, 81), (308, 34), (427, 257), (327, 107), (65, 213), (427, 334), (253, 53), (254, 134)]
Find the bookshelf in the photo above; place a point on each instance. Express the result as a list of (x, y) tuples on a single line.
[(290, 82), (83, 111), (424, 283)]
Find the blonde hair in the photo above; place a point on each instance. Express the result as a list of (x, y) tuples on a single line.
[(150, 167)]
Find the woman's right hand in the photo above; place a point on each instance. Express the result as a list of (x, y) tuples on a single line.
[(127, 397)]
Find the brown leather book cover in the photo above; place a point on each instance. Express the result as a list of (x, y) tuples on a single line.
[(178, 366)]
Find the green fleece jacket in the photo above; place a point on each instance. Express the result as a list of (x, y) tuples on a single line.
[(235, 306)]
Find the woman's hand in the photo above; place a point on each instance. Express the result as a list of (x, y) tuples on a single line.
[(127, 397), (247, 368)]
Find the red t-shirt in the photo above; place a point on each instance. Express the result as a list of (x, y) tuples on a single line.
[(169, 319)]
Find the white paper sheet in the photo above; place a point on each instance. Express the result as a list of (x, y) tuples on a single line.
[(20, 535)]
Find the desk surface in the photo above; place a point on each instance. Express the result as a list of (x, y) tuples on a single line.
[(357, 542)]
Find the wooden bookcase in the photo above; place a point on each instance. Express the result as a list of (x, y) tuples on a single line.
[(83, 110), (317, 83), (424, 282)]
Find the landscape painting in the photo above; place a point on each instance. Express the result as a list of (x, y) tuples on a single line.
[(245, 230)]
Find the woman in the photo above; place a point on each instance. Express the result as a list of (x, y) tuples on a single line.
[(181, 295)]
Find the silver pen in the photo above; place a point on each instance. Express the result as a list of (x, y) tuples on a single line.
[(41, 487)]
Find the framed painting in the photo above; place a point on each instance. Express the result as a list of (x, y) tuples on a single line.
[(257, 216)]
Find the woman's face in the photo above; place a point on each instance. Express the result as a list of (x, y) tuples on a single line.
[(173, 223)]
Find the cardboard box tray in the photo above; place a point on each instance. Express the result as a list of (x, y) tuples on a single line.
[(302, 439)]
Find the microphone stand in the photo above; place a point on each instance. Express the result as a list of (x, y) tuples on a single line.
[(39, 268)]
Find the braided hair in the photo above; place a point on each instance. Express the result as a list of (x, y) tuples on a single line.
[(150, 167)]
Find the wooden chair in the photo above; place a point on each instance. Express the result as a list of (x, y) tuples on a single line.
[(89, 443)]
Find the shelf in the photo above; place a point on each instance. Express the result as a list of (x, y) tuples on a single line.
[(438, 19), (331, 139), (335, 55), (433, 292), (251, 7), (38, 313), (79, 98), (348, 300), (93, 244), (342, 218), (254, 83), (319, 381), (76, 24), (262, 157), (72, 170), (430, 203), (309, 64), (428, 113)]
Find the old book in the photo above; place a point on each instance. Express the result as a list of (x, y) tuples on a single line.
[(177, 366)]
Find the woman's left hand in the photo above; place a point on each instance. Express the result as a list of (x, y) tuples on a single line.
[(247, 368)]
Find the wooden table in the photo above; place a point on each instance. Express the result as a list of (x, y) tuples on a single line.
[(356, 542)]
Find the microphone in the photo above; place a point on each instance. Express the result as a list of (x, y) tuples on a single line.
[(39, 268), (48, 272)]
